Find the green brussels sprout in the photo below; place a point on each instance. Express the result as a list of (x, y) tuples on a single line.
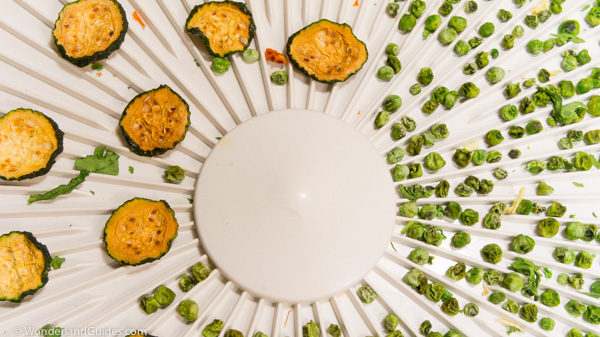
[(470, 68), (511, 306), (458, 23), (413, 277), (518, 31), (500, 173), (493, 277), (186, 283), (149, 304), (407, 22), (433, 161), (575, 135), (583, 57), (574, 333), (440, 131), (523, 244), (433, 22), (593, 16), (213, 329), (279, 77), (535, 47), (492, 221), (311, 329), (544, 189), (392, 49), (200, 272), (415, 170), (512, 90), (471, 7), (469, 217), (537, 209), (445, 8), (462, 47), (567, 89), (425, 76), (473, 182), (453, 333), (233, 333), (220, 65), (575, 308), (514, 153), (441, 190), (398, 131), (452, 210), (415, 89), (415, 230), (504, 15), (485, 187), (385, 73), (188, 309), (584, 260), (366, 294), (540, 98), (550, 298), (430, 106), (439, 93), (415, 145), (475, 275), (417, 7), (592, 314), (462, 157), (419, 256), (396, 333), (562, 279), (574, 230), (508, 112), (516, 131), (497, 297), (434, 292), (447, 35), (250, 55), (51, 331), (451, 307), (564, 255), (526, 105), (582, 162), (482, 60), (547, 324), (535, 166), (471, 309), (513, 282), (576, 281), (164, 296), (491, 253), (487, 29), (544, 15), (495, 74), (494, 137), (334, 330), (428, 212), (584, 86), (549, 44), (564, 143), (457, 272), (425, 327), (392, 103), (395, 155), (390, 322), (548, 227), (394, 63), (589, 232), (392, 9), (532, 21), (174, 174), (381, 118), (556, 210), (529, 83), (528, 312), (568, 63), (409, 123), (525, 207), (570, 27)]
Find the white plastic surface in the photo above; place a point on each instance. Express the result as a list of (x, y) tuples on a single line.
[(91, 291), (294, 206)]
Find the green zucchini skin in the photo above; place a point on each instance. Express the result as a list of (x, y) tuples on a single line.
[(133, 146), (47, 259), (59, 149), (197, 32), (313, 76), (150, 259), (99, 55)]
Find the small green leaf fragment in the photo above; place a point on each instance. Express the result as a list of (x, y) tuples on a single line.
[(577, 184), (103, 161), (60, 190), (130, 169), (56, 262), (97, 66)]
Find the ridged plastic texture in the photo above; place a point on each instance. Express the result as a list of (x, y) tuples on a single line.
[(91, 290)]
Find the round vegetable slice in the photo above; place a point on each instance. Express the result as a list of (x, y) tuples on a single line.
[(29, 144), (87, 31), (155, 121), (225, 27), (327, 51), (140, 231), (24, 266)]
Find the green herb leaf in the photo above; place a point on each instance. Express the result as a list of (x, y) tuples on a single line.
[(130, 169), (595, 162), (56, 262), (218, 138), (191, 200), (93, 193), (103, 161), (97, 66), (586, 7), (547, 272), (394, 248), (512, 328), (528, 268), (594, 295), (577, 184), (60, 190), (569, 37)]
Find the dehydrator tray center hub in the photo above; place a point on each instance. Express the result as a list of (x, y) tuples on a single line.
[(294, 206)]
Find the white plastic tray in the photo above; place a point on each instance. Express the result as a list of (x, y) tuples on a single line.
[(93, 292)]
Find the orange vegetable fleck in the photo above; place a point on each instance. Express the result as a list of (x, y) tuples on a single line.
[(275, 56), (98, 74), (355, 4), (358, 112), (137, 18)]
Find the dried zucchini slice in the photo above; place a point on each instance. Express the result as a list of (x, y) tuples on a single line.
[(327, 51), (29, 144), (87, 31), (225, 27), (24, 266), (140, 231), (155, 121)]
